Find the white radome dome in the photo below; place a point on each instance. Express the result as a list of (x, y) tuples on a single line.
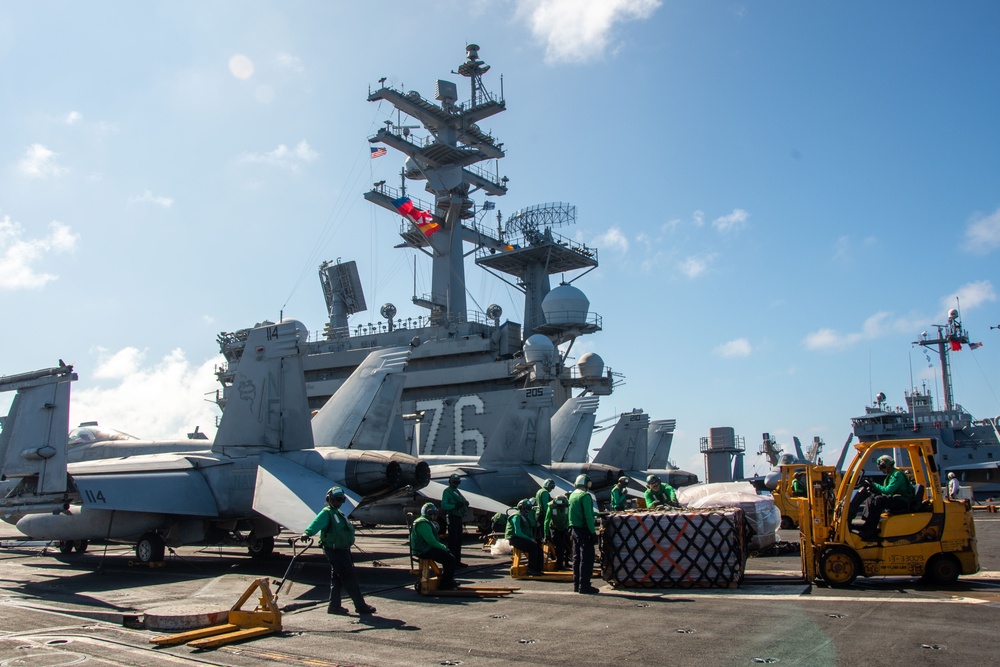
[(591, 365), (565, 305), (538, 348)]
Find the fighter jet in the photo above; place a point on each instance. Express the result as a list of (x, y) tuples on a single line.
[(261, 472), (515, 462), (626, 448)]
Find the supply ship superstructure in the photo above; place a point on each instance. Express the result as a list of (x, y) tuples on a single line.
[(966, 446)]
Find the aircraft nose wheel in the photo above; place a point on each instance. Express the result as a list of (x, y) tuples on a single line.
[(150, 548), (260, 547)]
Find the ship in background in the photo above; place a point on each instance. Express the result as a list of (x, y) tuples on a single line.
[(966, 446), (465, 365)]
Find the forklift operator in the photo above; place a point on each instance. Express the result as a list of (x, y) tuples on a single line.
[(895, 495)]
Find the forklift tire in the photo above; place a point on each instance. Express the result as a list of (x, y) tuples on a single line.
[(942, 569), (260, 547), (150, 548), (787, 523), (839, 567)]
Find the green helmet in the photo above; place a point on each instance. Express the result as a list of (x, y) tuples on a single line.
[(335, 493), (428, 509), (652, 479), (886, 461), (525, 504), (455, 479), (561, 501), (548, 484), (583, 482)]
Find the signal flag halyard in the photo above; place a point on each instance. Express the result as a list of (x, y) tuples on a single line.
[(424, 220)]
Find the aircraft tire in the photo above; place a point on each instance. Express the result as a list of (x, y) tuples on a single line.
[(65, 547), (150, 548), (260, 547), (942, 569), (839, 567)]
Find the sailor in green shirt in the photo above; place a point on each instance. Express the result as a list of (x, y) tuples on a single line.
[(894, 495), (557, 529), (798, 485), (584, 529), (424, 543), (619, 495), (659, 494), (542, 498), (521, 535), (336, 535), (455, 504)]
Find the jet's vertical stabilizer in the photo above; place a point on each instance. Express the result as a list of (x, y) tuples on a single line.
[(659, 439), (35, 432), (356, 416), (525, 431), (268, 407), (572, 427), (625, 448)]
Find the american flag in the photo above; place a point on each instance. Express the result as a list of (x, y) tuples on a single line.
[(378, 152)]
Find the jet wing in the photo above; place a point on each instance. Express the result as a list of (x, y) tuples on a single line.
[(540, 474), (143, 463), (182, 492), (292, 495), (434, 490)]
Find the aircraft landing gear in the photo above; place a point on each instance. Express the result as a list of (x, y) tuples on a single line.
[(260, 547), (67, 547), (150, 548)]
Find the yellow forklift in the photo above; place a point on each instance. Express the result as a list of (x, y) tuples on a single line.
[(934, 538)]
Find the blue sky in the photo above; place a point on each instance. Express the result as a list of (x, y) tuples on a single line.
[(784, 195)]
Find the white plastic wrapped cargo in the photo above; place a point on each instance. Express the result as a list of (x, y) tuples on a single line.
[(762, 516), (689, 494)]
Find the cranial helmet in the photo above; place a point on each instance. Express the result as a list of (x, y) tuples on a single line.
[(652, 479), (623, 480), (428, 509), (583, 482), (335, 493), (561, 501), (525, 504), (455, 479), (951, 475), (886, 461), (548, 485)]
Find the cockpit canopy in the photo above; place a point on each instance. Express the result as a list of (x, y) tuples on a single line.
[(89, 432)]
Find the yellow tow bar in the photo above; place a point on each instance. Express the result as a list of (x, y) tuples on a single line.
[(265, 619)]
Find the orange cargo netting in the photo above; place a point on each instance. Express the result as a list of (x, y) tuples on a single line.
[(683, 548)]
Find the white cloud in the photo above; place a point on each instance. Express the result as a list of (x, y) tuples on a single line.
[(844, 249), (739, 347), (579, 30), (613, 238), (73, 117), (147, 197), (732, 222), (876, 326), (164, 400), (283, 157), (18, 255), (695, 266), (982, 236), (699, 218), (970, 296), (39, 162), (287, 61)]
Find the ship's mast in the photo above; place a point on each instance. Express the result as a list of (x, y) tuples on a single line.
[(950, 336), (445, 161)]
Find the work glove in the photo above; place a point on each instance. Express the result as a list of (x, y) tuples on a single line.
[(304, 538)]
